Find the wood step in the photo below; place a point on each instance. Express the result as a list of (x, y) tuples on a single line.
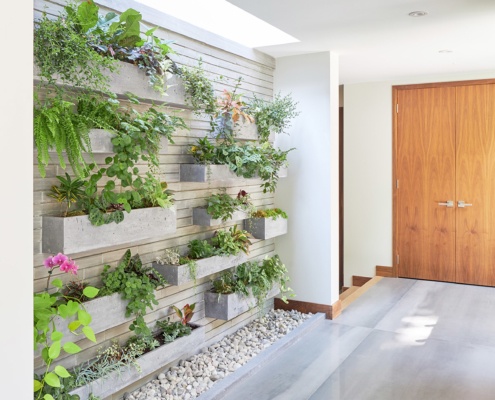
[(359, 291), (348, 292)]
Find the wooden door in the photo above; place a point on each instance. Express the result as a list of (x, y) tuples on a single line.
[(426, 178), (475, 184), (445, 150)]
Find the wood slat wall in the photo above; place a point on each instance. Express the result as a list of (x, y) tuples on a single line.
[(231, 62)]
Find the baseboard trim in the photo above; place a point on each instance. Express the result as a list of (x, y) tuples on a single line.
[(359, 280), (331, 311), (387, 272)]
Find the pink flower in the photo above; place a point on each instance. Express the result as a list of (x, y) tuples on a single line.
[(69, 266), (59, 259), (48, 263)]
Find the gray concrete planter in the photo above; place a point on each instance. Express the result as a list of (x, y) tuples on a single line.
[(213, 173), (101, 142), (179, 274), (149, 363), (106, 312), (266, 228), (228, 306), (129, 78), (283, 172), (205, 173), (73, 235), (202, 218)]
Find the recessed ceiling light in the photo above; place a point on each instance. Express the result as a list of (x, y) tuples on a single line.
[(418, 14), (445, 51)]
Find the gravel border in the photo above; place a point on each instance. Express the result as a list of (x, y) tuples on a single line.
[(219, 366)]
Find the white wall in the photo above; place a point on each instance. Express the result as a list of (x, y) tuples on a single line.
[(368, 172), (310, 193)]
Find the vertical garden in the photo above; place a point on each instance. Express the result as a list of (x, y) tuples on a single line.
[(154, 182)]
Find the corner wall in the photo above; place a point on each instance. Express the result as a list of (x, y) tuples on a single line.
[(310, 194), (368, 171)]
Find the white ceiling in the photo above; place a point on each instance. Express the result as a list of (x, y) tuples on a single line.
[(377, 40)]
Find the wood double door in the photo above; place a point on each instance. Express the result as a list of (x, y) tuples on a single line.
[(444, 200)]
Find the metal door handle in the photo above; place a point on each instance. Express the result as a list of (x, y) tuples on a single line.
[(448, 203), (462, 204)]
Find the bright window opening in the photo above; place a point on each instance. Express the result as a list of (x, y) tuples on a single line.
[(224, 19)]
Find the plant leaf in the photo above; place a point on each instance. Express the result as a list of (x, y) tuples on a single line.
[(52, 379), (61, 371), (88, 332), (54, 350), (71, 348), (84, 317), (37, 385), (90, 292)]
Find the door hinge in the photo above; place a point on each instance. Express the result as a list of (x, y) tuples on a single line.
[(397, 108), (397, 259), (397, 184)]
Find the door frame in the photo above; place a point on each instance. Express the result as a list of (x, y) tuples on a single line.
[(395, 91)]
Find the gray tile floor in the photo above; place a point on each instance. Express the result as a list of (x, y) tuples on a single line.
[(402, 340)]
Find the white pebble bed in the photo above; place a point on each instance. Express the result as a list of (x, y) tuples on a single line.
[(199, 373)]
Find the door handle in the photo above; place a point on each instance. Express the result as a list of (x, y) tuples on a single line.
[(462, 204), (448, 203)]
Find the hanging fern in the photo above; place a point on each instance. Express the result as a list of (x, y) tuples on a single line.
[(57, 128)]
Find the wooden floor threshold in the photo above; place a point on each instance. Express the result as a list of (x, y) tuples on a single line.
[(354, 292)]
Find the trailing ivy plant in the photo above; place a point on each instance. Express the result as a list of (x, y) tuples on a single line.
[(136, 284), (223, 206), (247, 160), (256, 278), (200, 95), (272, 116)]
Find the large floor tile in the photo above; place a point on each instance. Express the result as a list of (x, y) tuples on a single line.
[(297, 373), (445, 311), (375, 303), (389, 366)]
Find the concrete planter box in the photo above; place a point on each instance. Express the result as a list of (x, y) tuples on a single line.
[(205, 173), (179, 274), (283, 172), (149, 363), (213, 173), (106, 312), (101, 142), (266, 228), (129, 78), (228, 306), (202, 218), (73, 235)]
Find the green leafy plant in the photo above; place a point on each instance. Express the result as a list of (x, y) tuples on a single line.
[(136, 284), (247, 160), (256, 278), (272, 213), (223, 206), (272, 116), (200, 249), (120, 37), (231, 241), (173, 330), (69, 191), (47, 307), (200, 95), (61, 49), (114, 358)]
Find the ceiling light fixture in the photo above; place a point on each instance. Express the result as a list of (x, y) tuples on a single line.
[(418, 14), (445, 51)]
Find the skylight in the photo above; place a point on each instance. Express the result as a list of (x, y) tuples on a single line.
[(224, 19)]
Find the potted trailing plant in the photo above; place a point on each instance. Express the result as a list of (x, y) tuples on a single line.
[(266, 224), (236, 291), (272, 117), (223, 208), (121, 365), (227, 248), (49, 340)]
